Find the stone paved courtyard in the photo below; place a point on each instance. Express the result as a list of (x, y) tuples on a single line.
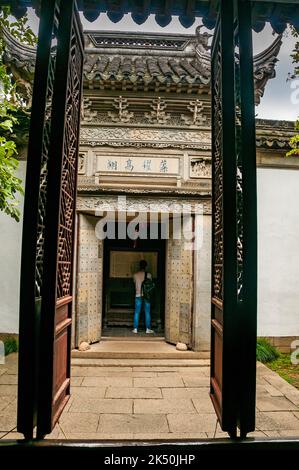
[(148, 399)]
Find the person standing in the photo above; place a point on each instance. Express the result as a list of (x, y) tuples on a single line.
[(139, 278)]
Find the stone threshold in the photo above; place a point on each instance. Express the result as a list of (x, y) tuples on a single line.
[(86, 362), (132, 349), (147, 338)]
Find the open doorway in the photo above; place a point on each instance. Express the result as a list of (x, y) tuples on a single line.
[(121, 261)]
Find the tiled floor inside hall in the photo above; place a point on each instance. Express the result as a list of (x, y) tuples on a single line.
[(150, 399)]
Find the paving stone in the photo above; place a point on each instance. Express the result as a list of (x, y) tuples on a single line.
[(14, 436), (191, 381), (275, 404), (57, 433), (79, 422), (80, 436), (8, 421), (12, 358), (173, 436), (137, 436), (108, 382), (268, 390), (197, 371), (278, 382), (101, 405), (192, 422), (11, 370), (10, 390), (7, 379), (137, 423), (293, 397), (11, 408), (11, 362), (218, 435), (88, 392), (5, 401), (289, 433), (156, 369), (272, 433), (276, 421), (169, 374), (161, 382), (192, 392), (100, 371), (134, 392), (145, 374), (261, 380), (76, 381), (273, 391), (97, 436), (171, 381), (163, 406), (256, 434), (203, 404)]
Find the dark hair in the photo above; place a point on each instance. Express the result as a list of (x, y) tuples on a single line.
[(142, 264)]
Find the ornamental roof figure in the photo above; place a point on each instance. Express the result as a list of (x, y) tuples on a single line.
[(138, 61)]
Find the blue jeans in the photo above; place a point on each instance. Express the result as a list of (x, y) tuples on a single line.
[(147, 311)]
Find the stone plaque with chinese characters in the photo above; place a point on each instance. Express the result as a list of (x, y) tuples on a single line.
[(146, 165)]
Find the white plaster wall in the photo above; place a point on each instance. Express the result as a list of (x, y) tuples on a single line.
[(10, 256), (278, 245), (278, 260)]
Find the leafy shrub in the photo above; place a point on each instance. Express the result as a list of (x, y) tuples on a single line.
[(10, 345), (265, 352)]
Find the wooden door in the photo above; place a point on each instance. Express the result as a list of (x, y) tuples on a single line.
[(234, 227), (48, 232)]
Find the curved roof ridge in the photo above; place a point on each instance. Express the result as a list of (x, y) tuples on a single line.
[(271, 52), (189, 68)]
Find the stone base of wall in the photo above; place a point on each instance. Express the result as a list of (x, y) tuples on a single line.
[(283, 343), (5, 336)]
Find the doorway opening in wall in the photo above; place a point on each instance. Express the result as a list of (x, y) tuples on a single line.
[(121, 261)]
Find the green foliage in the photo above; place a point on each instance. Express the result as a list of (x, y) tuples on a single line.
[(19, 28), (10, 345), (294, 143), (10, 184), (286, 369), (265, 352), (11, 106)]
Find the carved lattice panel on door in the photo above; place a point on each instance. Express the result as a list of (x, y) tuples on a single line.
[(234, 233), (46, 284)]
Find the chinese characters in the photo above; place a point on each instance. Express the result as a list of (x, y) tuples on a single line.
[(139, 165)]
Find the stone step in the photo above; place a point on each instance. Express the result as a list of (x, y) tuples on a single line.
[(141, 349), (138, 355), (147, 338), (167, 363)]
